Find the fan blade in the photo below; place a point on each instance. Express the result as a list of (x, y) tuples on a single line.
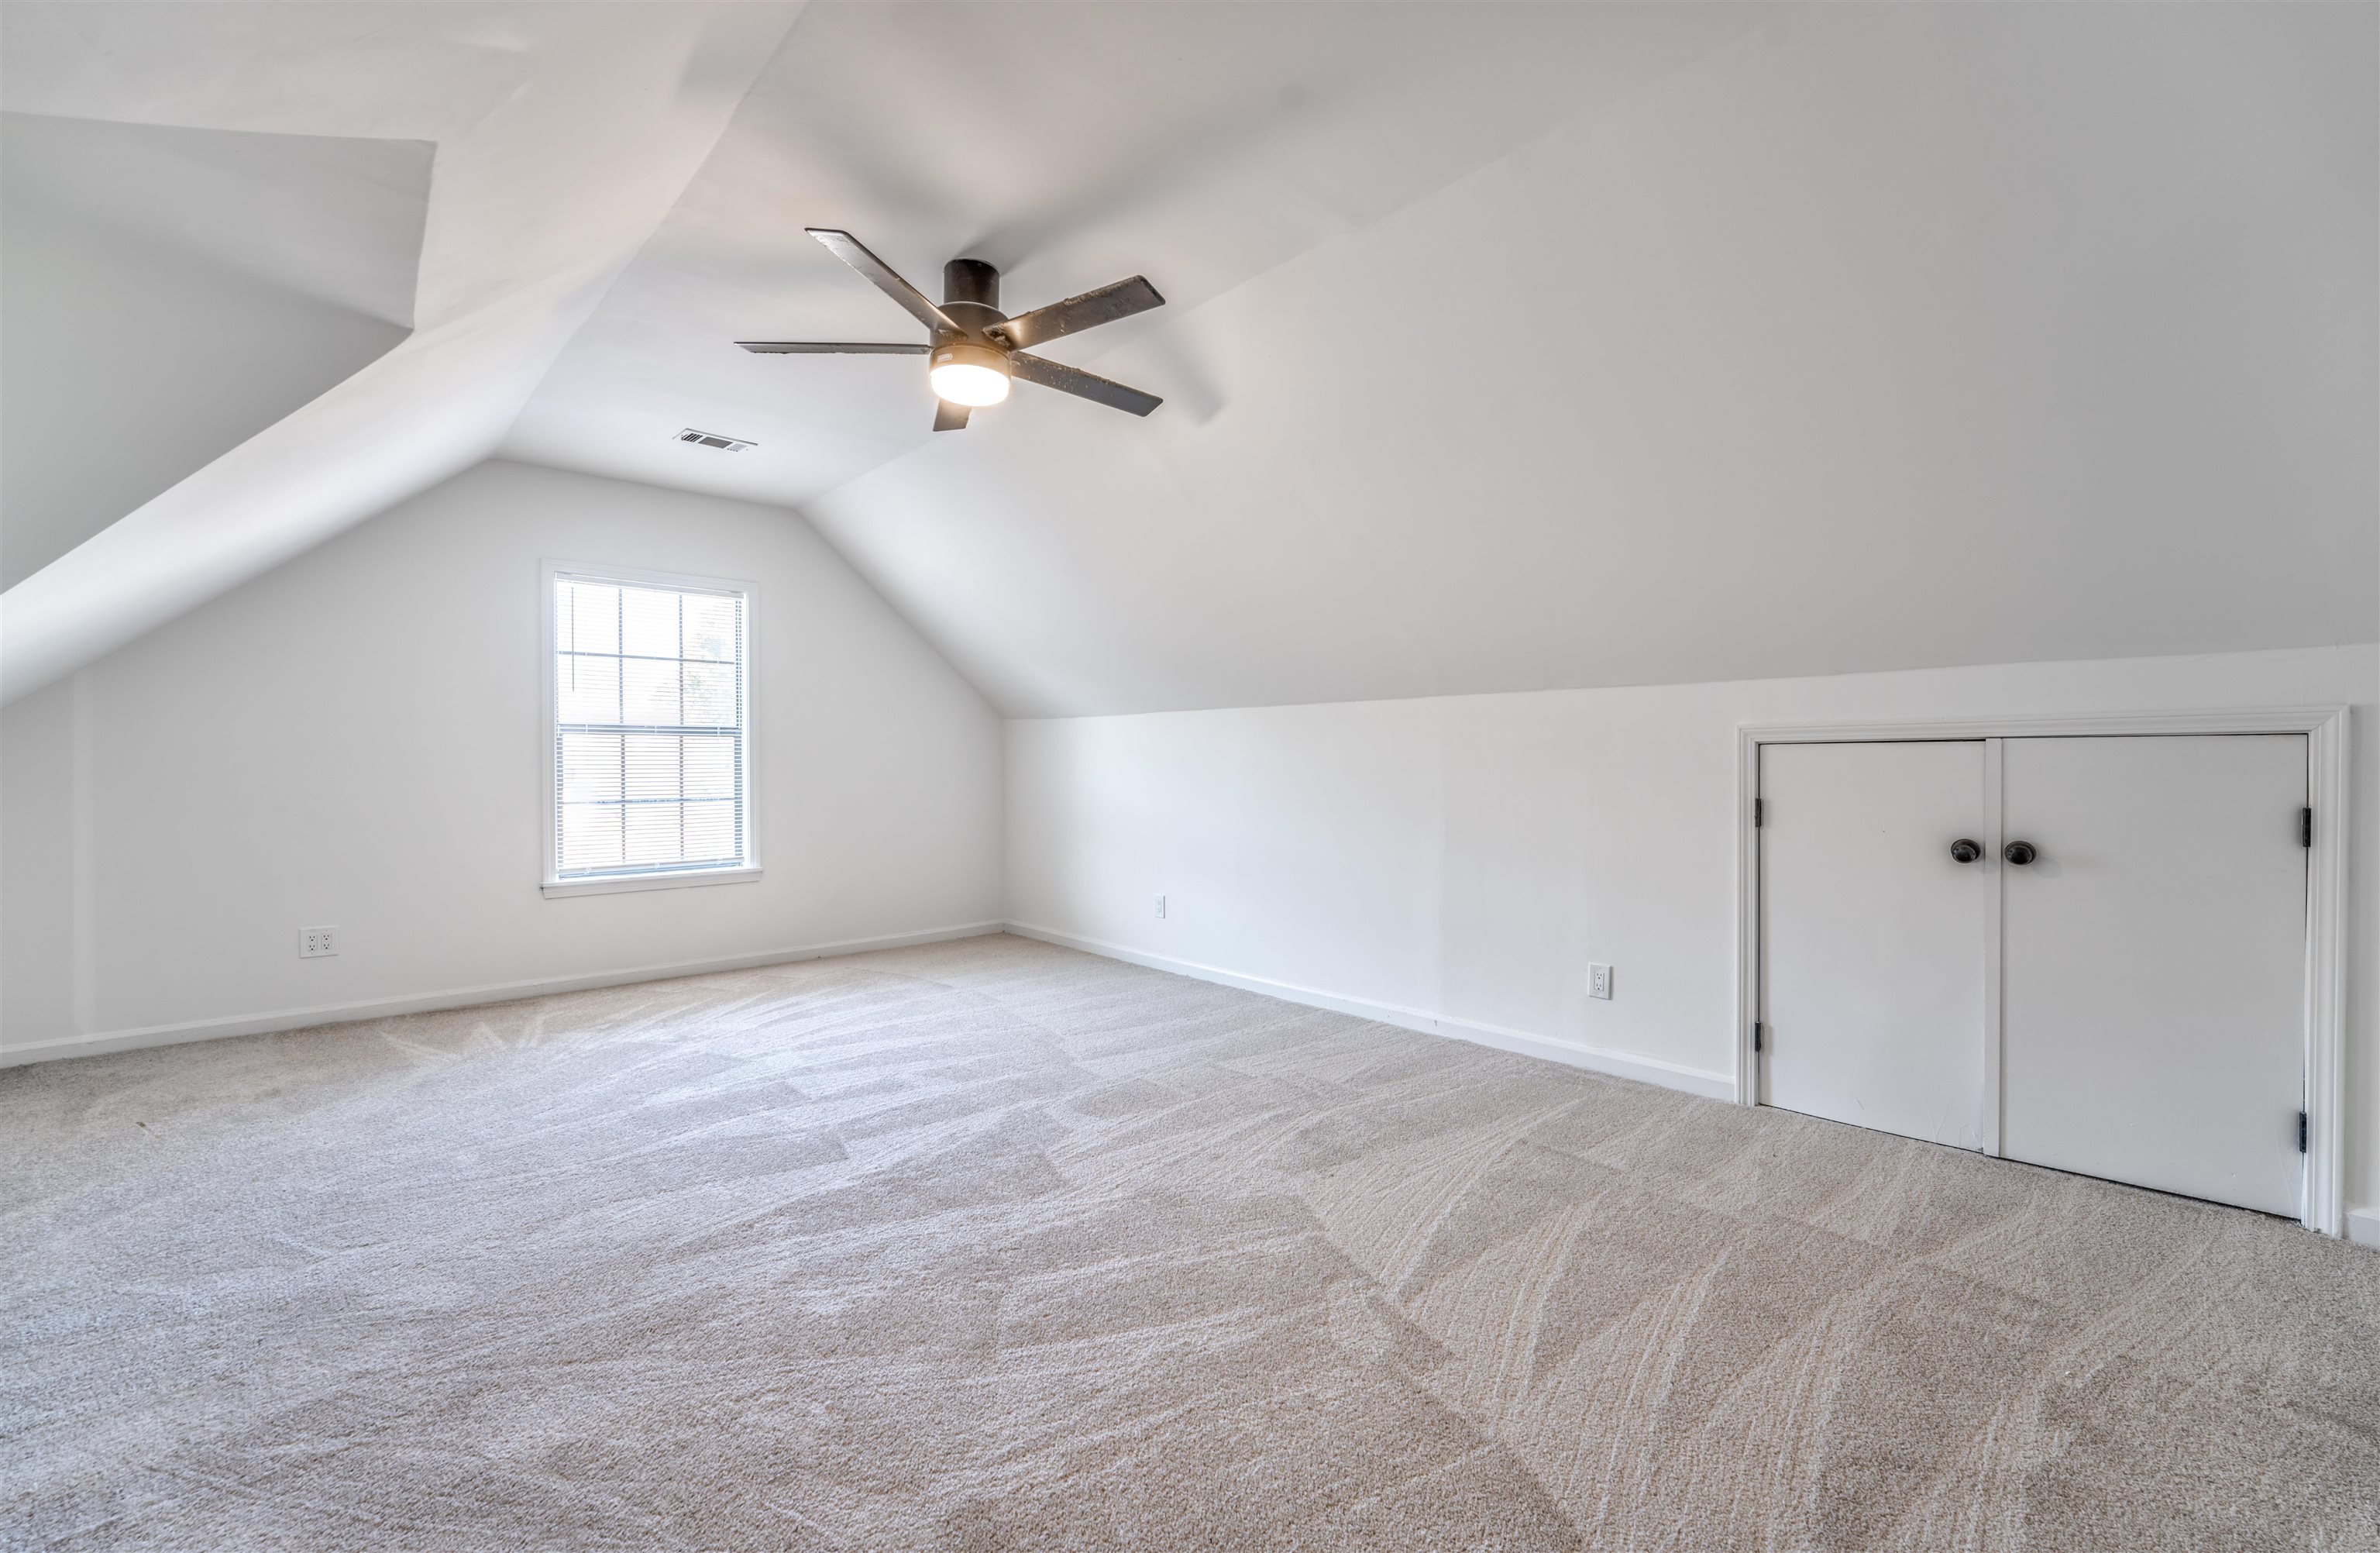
[(1082, 384), (1076, 313), (948, 417), (829, 347), (848, 248)]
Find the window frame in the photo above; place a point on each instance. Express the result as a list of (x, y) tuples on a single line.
[(554, 885)]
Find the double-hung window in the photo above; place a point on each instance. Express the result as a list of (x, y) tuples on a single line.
[(649, 698)]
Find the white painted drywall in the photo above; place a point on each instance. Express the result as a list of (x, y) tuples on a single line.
[(564, 133), (1893, 336), (1465, 857), (126, 365), (353, 739), (1509, 347), (339, 219), (1229, 138)]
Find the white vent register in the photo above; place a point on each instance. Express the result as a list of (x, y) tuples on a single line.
[(649, 722)]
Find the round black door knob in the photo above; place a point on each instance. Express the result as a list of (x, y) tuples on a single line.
[(1964, 851), (2020, 852)]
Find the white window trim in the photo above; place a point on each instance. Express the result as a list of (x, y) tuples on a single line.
[(554, 886)]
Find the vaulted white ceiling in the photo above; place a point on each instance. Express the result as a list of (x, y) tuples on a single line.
[(564, 133), (166, 293), (1506, 347), (1872, 338), (1070, 145)]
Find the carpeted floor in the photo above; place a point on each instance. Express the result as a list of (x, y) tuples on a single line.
[(991, 1245)]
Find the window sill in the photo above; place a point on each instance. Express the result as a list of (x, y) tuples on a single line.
[(616, 884)]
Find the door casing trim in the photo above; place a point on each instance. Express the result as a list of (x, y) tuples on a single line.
[(2326, 731)]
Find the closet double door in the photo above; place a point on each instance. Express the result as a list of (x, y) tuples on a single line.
[(2087, 953)]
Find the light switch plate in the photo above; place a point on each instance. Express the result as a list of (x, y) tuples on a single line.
[(1598, 981)]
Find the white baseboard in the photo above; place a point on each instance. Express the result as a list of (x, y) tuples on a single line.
[(1652, 1071), (456, 998), (2363, 1224)]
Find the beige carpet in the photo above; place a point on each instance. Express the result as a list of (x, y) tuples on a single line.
[(991, 1245)]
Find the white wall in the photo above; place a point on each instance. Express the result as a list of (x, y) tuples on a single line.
[(353, 739), (1463, 858)]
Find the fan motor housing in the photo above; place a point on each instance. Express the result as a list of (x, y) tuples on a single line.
[(971, 282), (971, 295)]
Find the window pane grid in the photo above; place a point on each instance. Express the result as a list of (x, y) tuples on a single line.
[(649, 736)]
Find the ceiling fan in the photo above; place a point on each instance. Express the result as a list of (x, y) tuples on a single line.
[(976, 348)]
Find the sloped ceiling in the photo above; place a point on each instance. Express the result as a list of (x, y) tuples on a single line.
[(1070, 145), (338, 219), (1527, 347), (564, 133), (167, 293), (1507, 346)]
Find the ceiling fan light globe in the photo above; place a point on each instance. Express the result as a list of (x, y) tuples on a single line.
[(973, 376), (969, 386)]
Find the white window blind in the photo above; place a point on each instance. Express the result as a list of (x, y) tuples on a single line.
[(649, 728)]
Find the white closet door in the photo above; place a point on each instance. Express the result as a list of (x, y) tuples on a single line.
[(1874, 936), (2154, 963)]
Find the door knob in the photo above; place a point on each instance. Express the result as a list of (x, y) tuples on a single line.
[(2020, 852), (1964, 851)]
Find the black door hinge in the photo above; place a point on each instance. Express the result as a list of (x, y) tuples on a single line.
[(2305, 827), (1756, 814), (2302, 1131), (1755, 1035)]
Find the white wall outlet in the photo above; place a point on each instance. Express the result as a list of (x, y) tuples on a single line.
[(315, 942), (1160, 905), (1598, 981)]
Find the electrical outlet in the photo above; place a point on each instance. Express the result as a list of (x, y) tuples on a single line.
[(1160, 905), (1598, 981), (315, 942)]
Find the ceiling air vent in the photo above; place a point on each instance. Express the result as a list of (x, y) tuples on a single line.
[(712, 439)]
